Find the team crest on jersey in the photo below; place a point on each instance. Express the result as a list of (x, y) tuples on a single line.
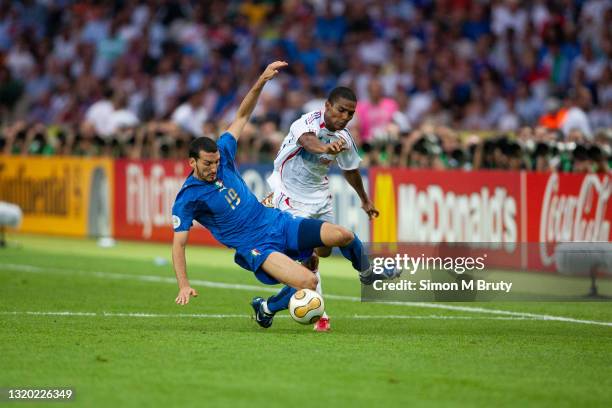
[(255, 252), (219, 185), (176, 221), (313, 117)]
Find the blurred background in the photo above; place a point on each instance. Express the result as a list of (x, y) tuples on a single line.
[(462, 84)]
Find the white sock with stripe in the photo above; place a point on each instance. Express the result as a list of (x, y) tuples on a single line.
[(320, 289)]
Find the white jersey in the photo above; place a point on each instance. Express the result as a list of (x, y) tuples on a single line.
[(302, 176)]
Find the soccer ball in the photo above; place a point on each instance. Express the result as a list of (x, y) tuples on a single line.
[(306, 306)]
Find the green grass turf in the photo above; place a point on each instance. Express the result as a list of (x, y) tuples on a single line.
[(187, 361)]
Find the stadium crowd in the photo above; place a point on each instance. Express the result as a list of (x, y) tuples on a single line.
[(468, 84)]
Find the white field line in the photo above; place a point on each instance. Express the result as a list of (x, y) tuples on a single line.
[(243, 316), (221, 285)]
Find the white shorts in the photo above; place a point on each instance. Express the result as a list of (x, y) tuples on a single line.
[(323, 211)]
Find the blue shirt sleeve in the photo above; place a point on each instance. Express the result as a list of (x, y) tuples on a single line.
[(182, 215), (227, 145)]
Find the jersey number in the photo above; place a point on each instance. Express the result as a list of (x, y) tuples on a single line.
[(232, 198)]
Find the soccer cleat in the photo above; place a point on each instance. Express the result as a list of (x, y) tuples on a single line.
[(322, 325), (262, 318), (368, 276)]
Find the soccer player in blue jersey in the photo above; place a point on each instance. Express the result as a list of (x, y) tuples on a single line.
[(266, 240)]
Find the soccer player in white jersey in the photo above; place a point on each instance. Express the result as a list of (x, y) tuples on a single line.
[(300, 183)]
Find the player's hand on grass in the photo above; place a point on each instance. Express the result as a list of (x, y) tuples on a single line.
[(184, 295), (335, 147), (369, 208), (272, 70)]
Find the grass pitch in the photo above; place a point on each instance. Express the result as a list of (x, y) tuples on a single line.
[(104, 322)]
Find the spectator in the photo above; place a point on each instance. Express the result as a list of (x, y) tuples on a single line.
[(465, 65), (374, 115), (589, 65), (98, 116), (165, 87), (11, 90), (507, 14), (191, 115), (20, 59), (330, 25), (421, 100), (527, 106), (576, 118)]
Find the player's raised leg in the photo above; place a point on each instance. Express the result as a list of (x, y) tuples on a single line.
[(311, 233), (352, 249)]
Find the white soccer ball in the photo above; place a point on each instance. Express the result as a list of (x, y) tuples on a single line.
[(306, 306)]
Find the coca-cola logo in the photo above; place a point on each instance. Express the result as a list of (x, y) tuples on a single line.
[(574, 217)]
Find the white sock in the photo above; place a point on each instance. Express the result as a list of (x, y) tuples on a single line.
[(265, 307), (320, 289)]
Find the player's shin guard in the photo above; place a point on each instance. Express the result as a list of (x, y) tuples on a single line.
[(280, 301), (355, 253)]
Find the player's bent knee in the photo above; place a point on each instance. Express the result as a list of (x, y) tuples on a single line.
[(312, 263), (323, 252), (335, 235), (345, 236), (308, 281)]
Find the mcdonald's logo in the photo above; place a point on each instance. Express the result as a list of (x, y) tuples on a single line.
[(385, 225)]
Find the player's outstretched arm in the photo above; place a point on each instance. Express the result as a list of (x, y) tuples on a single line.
[(180, 268), (250, 100), (312, 144), (354, 179)]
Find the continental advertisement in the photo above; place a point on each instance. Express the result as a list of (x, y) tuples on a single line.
[(60, 195)]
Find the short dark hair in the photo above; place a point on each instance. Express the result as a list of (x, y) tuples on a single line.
[(202, 143), (341, 92)]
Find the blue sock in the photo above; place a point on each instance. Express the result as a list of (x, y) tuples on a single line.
[(280, 301), (355, 253)]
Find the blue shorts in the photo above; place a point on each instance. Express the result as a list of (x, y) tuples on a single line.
[(284, 236)]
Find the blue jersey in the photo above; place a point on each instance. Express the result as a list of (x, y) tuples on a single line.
[(226, 207)]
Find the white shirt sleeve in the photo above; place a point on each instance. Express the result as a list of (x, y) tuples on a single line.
[(348, 159), (305, 124)]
